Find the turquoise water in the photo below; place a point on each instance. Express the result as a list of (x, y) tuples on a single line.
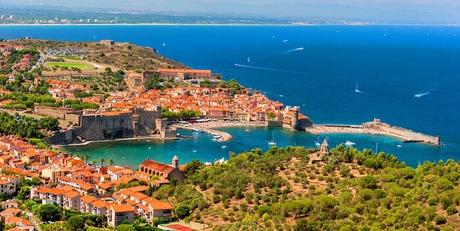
[(202, 147), (314, 67)]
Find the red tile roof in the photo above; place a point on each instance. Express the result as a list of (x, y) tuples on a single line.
[(121, 208), (160, 205), (157, 166)]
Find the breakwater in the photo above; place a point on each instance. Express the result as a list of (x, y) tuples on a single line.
[(376, 127)]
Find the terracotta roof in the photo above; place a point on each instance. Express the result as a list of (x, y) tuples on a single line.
[(121, 208), (159, 205), (54, 191), (141, 188), (17, 220), (87, 199), (157, 166), (139, 196), (99, 203), (71, 194), (106, 185), (125, 192), (10, 212)]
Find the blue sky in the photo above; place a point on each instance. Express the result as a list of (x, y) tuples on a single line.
[(402, 11)]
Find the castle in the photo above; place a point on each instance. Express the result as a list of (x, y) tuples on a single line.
[(136, 122)]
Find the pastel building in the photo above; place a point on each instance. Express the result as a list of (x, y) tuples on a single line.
[(119, 213)]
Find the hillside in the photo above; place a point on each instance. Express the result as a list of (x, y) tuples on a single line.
[(299, 189), (124, 56)]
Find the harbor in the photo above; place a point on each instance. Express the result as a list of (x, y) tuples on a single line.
[(375, 127)]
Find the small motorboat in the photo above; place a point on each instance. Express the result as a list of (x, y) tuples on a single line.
[(349, 143)]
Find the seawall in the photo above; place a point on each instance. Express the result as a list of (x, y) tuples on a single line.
[(376, 127)]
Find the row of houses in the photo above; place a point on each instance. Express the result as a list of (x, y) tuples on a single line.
[(68, 198), (74, 184), (214, 103)]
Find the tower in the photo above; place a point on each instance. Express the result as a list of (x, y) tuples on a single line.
[(324, 148), (295, 118), (175, 162)]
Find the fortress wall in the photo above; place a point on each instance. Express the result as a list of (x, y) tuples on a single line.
[(106, 126), (57, 112), (67, 114), (73, 117), (99, 127)]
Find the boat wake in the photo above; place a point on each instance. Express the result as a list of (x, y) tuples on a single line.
[(420, 95), (293, 50), (261, 68)]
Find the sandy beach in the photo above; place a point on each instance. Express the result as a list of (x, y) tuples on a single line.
[(212, 126)]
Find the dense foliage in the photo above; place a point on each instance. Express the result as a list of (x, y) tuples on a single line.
[(23, 101), (181, 115), (297, 189), (232, 85), (157, 83), (23, 82), (26, 127)]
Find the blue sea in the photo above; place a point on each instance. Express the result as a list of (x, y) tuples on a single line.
[(315, 67)]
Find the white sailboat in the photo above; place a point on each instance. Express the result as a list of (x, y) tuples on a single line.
[(357, 89), (272, 142), (248, 59)]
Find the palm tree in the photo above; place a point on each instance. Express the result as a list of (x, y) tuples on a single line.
[(102, 162), (111, 162), (85, 158)]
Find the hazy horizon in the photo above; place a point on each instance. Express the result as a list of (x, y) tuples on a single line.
[(391, 11)]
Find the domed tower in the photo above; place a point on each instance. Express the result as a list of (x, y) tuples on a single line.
[(175, 162)]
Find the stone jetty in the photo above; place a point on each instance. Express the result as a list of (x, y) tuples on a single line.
[(375, 127)]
